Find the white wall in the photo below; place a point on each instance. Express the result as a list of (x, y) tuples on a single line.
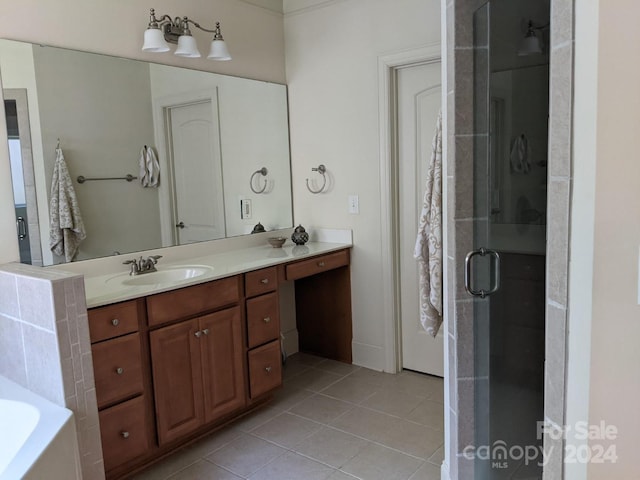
[(332, 71), (254, 35), (610, 188)]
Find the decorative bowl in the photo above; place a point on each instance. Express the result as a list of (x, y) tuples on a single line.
[(276, 242)]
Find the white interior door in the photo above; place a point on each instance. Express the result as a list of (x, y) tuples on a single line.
[(418, 101), (197, 172)]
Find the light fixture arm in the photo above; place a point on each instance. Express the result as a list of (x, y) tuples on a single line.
[(173, 28)]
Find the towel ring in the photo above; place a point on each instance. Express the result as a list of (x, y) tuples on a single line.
[(263, 171), (322, 170)]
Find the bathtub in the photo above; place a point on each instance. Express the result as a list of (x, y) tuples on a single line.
[(37, 438)]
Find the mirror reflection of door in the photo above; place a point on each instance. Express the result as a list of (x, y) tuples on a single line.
[(22, 175), (198, 201)]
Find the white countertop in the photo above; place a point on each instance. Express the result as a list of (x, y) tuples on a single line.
[(105, 289)]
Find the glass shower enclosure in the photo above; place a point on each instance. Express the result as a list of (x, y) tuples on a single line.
[(505, 271)]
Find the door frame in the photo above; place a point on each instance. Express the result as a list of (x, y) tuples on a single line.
[(166, 192), (387, 66), (19, 95)]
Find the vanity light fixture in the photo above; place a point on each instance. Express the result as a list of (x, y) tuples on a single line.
[(531, 43), (165, 29)]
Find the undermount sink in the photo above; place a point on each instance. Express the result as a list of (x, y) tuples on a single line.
[(165, 275)]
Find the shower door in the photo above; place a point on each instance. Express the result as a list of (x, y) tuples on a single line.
[(504, 271)]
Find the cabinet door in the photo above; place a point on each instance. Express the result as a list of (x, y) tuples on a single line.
[(177, 382), (222, 366)]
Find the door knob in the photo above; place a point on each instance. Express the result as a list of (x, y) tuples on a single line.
[(180, 225)]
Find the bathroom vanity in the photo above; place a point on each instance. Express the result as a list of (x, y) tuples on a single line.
[(174, 361)]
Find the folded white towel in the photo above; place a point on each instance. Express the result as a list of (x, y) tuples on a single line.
[(149, 175), (66, 228), (428, 249)]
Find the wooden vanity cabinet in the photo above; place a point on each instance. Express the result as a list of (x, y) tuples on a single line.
[(198, 374), (121, 391), (263, 331), (171, 367)]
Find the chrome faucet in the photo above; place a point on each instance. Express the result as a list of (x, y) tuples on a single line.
[(143, 265)]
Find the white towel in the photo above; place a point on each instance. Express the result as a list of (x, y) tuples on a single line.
[(428, 249), (149, 175), (66, 229), (520, 155)]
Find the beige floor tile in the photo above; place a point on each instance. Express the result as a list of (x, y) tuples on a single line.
[(365, 423), (418, 384), (291, 369), (292, 466), (438, 457), (287, 397), (332, 447), (351, 390), (256, 418), (338, 475), (170, 465), (216, 441), (287, 430), (204, 470), (380, 463), (393, 402), (321, 408), (427, 471), (314, 380), (373, 377), (246, 455), (412, 439), (339, 368), (429, 413), (306, 359)]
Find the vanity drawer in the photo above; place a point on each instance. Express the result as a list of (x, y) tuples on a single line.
[(263, 323), (312, 266), (117, 368), (124, 432), (190, 301), (260, 281), (113, 320), (265, 369)]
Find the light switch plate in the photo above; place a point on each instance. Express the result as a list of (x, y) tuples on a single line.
[(354, 204), (245, 208)]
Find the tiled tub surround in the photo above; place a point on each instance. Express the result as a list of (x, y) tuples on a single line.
[(330, 421), (44, 340)]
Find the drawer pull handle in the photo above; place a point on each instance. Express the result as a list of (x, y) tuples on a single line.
[(124, 434), (264, 281), (198, 334), (119, 370), (205, 331), (266, 319), (267, 369), (115, 322), (321, 264)]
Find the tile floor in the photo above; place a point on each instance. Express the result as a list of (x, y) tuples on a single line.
[(329, 421)]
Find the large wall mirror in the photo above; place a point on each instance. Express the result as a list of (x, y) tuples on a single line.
[(221, 142)]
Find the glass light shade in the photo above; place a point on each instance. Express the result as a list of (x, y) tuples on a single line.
[(187, 47), (154, 41), (219, 51), (530, 45)]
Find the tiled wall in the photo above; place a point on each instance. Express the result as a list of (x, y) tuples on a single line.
[(462, 379), (558, 214), (44, 340)]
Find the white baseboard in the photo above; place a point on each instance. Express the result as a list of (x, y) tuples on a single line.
[(444, 472), (369, 356)]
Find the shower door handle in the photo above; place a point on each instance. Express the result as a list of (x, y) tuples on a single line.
[(467, 272), (22, 228)]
